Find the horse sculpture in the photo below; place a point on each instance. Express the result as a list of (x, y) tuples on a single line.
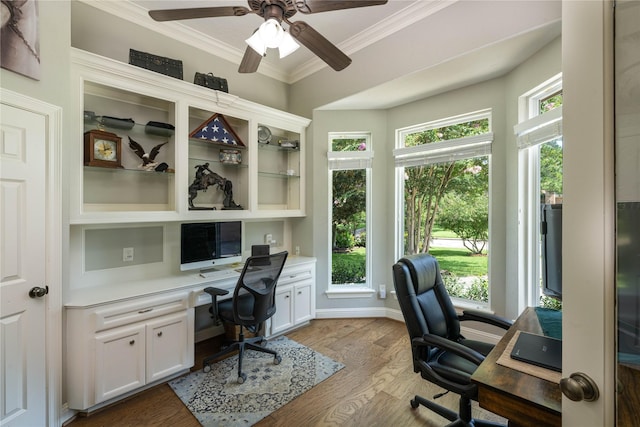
[(206, 178)]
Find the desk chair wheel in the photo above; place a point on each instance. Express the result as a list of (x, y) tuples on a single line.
[(277, 360), (414, 403), (242, 378), (206, 368)]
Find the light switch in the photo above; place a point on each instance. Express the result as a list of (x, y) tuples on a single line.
[(127, 254)]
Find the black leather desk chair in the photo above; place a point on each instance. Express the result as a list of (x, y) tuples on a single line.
[(440, 354), (252, 304)]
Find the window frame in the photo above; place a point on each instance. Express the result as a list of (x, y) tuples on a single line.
[(438, 152), (350, 160), (533, 127)]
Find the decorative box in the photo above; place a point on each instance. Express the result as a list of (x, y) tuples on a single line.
[(159, 64), (230, 157)]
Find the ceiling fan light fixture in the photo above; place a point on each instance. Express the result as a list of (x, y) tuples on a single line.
[(271, 33), (256, 43), (287, 46)]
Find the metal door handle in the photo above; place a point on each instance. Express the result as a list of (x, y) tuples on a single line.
[(579, 387), (38, 292)]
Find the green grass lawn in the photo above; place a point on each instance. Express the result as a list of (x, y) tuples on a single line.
[(458, 261), (440, 233)]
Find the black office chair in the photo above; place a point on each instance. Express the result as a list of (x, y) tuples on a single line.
[(440, 354), (252, 304)]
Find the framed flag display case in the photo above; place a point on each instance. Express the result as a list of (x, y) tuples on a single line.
[(218, 130)]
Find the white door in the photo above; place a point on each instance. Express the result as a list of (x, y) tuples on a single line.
[(23, 397), (599, 174)]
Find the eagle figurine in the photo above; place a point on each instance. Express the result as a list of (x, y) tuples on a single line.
[(148, 162)]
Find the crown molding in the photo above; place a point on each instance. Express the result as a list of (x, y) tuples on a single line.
[(175, 30), (416, 11)]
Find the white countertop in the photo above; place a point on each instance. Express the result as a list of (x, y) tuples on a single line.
[(187, 281)]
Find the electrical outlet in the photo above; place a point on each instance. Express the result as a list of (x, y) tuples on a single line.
[(383, 291), (268, 238), (127, 254)]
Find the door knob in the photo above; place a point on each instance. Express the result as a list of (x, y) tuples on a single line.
[(38, 292), (579, 387)]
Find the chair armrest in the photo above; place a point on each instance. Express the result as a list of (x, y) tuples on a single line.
[(215, 292), (484, 317), (446, 344)]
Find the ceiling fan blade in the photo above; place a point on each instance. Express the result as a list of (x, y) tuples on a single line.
[(316, 6), (316, 43), (250, 61), (198, 12)]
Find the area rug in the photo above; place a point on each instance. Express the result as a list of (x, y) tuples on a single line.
[(216, 399)]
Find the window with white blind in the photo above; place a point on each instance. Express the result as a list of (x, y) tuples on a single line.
[(539, 140), (442, 200), (350, 160)]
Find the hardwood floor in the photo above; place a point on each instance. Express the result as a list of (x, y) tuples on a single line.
[(373, 389)]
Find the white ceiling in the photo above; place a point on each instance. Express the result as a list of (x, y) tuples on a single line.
[(353, 30)]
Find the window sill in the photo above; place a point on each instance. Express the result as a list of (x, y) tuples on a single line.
[(348, 291), (461, 304)]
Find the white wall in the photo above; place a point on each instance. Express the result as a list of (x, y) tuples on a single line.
[(501, 95), (377, 243)]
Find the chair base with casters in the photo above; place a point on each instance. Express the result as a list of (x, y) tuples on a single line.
[(461, 419), (253, 343)]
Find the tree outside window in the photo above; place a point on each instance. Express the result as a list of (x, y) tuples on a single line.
[(349, 218), (446, 208)]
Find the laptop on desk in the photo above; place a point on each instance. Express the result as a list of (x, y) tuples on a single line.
[(538, 350)]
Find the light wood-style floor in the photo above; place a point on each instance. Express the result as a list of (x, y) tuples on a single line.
[(373, 389)]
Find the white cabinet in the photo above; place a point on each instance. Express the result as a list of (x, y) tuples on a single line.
[(295, 298), (119, 361), (134, 104), (302, 308), (283, 318), (169, 348), (119, 347)]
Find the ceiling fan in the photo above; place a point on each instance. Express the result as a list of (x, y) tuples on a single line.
[(271, 34)]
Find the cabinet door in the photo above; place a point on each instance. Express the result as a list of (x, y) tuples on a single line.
[(120, 361), (283, 319), (168, 346), (302, 302)]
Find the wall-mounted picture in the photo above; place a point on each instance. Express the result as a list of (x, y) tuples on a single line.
[(19, 38)]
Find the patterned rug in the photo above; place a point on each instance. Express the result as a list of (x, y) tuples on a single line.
[(216, 399)]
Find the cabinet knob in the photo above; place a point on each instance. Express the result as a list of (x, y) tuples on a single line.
[(160, 333), (286, 296), (132, 342)]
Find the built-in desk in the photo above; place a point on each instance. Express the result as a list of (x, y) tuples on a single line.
[(523, 399), (124, 337)]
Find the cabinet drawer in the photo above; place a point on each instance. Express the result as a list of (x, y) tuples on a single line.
[(288, 277), (126, 313)]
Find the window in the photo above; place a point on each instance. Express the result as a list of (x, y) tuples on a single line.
[(539, 139), (350, 159), (442, 175)]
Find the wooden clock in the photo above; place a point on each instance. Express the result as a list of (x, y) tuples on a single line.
[(102, 149)]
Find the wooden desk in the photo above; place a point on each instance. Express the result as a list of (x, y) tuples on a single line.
[(523, 399)]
